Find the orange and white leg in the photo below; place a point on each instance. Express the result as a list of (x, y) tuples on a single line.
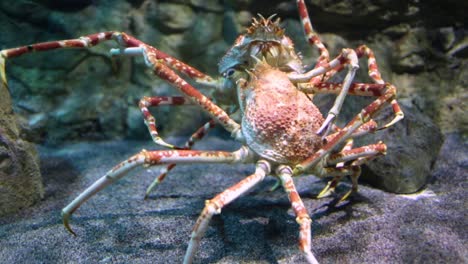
[(151, 158), (347, 132), (215, 205), (368, 127), (198, 135), (161, 63), (347, 57), (311, 36), (302, 217), (330, 187), (126, 41), (353, 156), (359, 89), (323, 67), (353, 171), (150, 121)]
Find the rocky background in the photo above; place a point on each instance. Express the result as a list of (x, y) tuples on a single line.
[(85, 95)]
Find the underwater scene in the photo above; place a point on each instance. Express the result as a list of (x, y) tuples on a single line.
[(222, 131)]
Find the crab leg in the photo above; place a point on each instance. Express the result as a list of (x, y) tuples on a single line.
[(322, 63), (215, 205), (373, 69), (311, 36), (353, 154), (150, 158), (374, 73), (193, 94), (198, 135), (358, 156), (348, 57), (361, 89), (302, 217), (353, 171), (363, 117), (159, 61), (335, 110), (122, 38), (150, 121)]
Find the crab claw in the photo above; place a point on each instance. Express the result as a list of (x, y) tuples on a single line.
[(66, 222)]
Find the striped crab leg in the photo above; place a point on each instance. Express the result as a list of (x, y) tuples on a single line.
[(150, 121), (360, 89), (198, 135), (150, 158), (215, 205), (155, 59), (374, 73), (346, 57), (345, 133), (376, 76), (311, 36), (373, 69), (349, 56), (302, 217), (335, 166), (324, 70), (123, 39), (160, 62)]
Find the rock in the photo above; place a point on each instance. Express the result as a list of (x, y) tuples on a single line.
[(20, 178), (173, 17), (446, 37), (204, 31), (412, 147), (460, 49), (209, 5), (410, 52), (68, 6), (453, 116)]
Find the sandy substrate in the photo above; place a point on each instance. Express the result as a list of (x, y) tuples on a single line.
[(118, 226)]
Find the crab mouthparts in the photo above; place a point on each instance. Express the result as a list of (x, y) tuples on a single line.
[(275, 55), (267, 51)]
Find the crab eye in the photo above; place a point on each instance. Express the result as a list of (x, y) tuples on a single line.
[(229, 73)]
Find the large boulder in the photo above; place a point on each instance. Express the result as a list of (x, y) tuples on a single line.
[(20, 178), (413, 145)]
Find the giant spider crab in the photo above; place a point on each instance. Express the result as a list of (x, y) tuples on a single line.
[(282, 131)]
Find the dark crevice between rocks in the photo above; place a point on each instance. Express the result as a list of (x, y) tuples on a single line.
[(67, 6)]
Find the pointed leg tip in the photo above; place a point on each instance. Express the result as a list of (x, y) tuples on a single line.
[(325, 193), (66, 222), (328, 190), (150, 189), (345, 196), (319, 132), (326, 126), (274, 187), (311, 258)]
